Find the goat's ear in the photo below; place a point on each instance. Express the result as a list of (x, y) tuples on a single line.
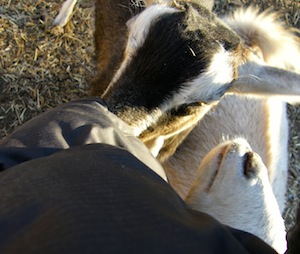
[(256, 79)]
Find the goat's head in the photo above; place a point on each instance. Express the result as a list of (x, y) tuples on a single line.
[(232, 176), (176, 55), (179, 54)]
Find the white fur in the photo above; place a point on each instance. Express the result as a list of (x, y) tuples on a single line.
[(263, 122), (223, 190), (155, 145), (209, 82), (150, 2), (65, 13), (278, 46), (207, 3)]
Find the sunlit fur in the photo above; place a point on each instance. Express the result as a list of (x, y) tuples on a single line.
[(262, 122), (206, 3), (271, 44), (267, 36), (233, 186)]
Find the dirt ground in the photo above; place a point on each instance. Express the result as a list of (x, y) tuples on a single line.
[(42, 66)]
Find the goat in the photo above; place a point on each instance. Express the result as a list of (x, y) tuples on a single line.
[(232, 185), (172, 68), (110, 36)]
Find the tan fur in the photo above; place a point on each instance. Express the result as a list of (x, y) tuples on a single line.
[(267, 36), (110, 36), (173, 130)]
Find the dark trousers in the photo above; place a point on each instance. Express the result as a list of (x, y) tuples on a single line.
[(75, 180)]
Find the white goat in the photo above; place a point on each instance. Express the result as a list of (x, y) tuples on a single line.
[(233, 186)]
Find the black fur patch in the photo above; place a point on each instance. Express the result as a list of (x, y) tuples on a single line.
[(178, 48)]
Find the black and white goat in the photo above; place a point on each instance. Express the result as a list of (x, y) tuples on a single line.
[(170, 74), (179, 60), (165, 60)]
